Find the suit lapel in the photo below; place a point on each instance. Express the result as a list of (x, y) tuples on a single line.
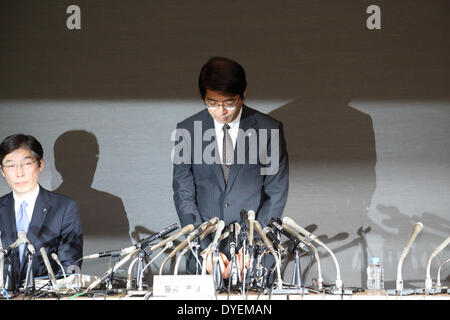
[(246, 122), (41, 208)]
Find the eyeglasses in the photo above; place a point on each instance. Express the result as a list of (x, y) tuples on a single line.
[(228, 105), (26, 166)]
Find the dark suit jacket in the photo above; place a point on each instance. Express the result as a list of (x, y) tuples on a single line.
[(200, 192), (55, 225)]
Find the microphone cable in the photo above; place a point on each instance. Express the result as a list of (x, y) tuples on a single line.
[(6, 293), (191, 245)]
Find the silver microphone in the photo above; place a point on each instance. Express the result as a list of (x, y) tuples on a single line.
[(112, 269), (206, 232), (55, 258), (168, 245), (184, 230), (417, 228), (428, 281), (213, 246), (49, 268), (191, 236), (291, 223), (438, 280), (6, 251), (251, 220), (22, 235), (269, 245), (314, 250)]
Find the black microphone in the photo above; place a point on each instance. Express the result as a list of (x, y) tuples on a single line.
[(111, 253), (234, 230), (244, 218), (232, 239), (275, 223), (140, 245), (271, 236), (145, 242)]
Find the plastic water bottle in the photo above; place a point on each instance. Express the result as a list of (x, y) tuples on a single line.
[(375, 275)]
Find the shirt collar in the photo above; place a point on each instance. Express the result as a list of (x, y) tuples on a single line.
[(29, 198), (233, 124)]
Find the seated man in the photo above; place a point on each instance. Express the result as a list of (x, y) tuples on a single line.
[(49, 220)]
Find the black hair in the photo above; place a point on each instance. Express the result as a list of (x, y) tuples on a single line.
[(223, 75), (17, 141)]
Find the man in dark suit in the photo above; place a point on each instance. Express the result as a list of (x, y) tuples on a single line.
[(228, 157), (49, 220)]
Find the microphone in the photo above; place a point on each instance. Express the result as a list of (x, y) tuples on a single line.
[(234, 230), (22, 235), (219, 230), (269, 245), (145, 242), (49, 268), (291, 223), (417, 228), (292, 235), (201, 236), (428, 281), (244, 218), (168, 245), (189, 238), (438, 280), (114, 268), (184, 230), (5, 252), (112, 253), (271, 236), (55, 258), (213, 246), (251, 220), (141, 244), (232, 239)]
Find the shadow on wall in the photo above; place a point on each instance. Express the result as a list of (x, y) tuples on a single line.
[(332, 158), (102, 214)]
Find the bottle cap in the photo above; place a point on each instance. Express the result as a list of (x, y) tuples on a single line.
[(375, 260)]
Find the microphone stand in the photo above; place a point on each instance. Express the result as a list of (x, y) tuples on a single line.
[(217, 272), (297, 274), (259, 268), (195, 251), (109, 284), (140, 267), (29, 279), (438, 279)]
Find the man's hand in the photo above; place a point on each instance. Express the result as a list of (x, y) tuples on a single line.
[(225, 264)]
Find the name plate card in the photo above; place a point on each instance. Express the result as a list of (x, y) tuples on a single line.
[(183, 285)]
